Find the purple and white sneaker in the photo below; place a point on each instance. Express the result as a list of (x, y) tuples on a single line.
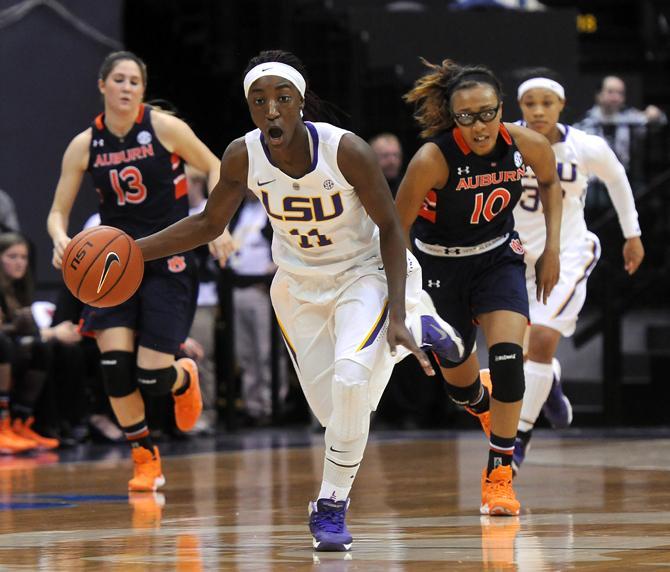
[(557, 408), (521, 447), (328, 527), (438, 335)]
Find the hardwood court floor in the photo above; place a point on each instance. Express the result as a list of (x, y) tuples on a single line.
[(240, 503)]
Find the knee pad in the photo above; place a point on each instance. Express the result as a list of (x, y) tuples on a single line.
[(506, 365), (6, 349), (464, 395), (156, 382), (118, 373), (350, 418), (345, 453)]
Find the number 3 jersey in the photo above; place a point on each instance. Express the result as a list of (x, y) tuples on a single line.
[(578, 157), (476, 203), (320, 225), (142, 186)]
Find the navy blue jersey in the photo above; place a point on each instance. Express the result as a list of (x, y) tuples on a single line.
[(142, 185), (477, 201)]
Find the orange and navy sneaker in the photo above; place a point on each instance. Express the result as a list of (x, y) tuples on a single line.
[(498, 498), (24, 429), (188, 406), (498, 537), (10, 442), (484, 418), (148, 475)]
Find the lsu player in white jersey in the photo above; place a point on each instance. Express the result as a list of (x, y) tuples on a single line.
[(579, 156), (347, 293)]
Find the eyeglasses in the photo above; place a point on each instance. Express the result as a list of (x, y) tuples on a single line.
[(485, 116)]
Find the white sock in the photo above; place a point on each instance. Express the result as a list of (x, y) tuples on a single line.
[(539, 377), (333, 492)]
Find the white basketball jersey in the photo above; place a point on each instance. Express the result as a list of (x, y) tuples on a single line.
[(319, 223), (528, 214)]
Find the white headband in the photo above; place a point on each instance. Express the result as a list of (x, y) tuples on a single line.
[(543, 82), (278, 69)]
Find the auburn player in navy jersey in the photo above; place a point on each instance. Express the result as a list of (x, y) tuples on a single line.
[(463, 184), (135, 155)]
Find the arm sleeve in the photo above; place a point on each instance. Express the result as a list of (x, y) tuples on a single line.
[(601, 161)]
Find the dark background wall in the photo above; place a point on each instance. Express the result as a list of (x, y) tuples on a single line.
[(48, 94)]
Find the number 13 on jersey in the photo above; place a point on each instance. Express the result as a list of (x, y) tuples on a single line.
[(132, 177)]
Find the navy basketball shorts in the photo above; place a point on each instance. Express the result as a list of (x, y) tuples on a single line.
[(161, 311), (462, 288)]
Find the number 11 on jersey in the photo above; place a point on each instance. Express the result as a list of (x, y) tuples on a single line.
[(311, 239)]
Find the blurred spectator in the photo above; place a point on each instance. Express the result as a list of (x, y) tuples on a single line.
[(200, 344), (9, 221), (23, 347), (389, 155), (253, 268), (618, 124)]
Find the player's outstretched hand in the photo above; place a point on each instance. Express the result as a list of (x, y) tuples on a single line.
[(399, 335), (222, 247), (633, 254), (547, 271)]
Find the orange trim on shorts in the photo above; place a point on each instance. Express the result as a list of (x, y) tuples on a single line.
[(82, 332)]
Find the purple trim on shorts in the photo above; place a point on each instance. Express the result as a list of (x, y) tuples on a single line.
[(378, 327)]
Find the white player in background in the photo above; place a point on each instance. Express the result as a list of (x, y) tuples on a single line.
[(579, 156)]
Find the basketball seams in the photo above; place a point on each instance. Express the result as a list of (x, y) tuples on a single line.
[(101, 251), (70, 249), (123, 270), (79, 277)]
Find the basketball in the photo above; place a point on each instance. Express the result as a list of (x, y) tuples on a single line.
[(102, 266)]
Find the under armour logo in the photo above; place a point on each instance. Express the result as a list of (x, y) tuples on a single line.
[(463, 170), (98, 142), (433, 283)]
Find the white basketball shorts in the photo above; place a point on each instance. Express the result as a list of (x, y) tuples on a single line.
[(568, 296), (327, 318)]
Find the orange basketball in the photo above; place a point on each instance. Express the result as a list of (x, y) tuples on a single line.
[(102, 266)]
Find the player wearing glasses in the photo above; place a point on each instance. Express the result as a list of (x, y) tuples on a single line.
[(459, 192)]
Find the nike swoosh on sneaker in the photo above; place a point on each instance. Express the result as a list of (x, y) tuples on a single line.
[(265, 182), (443, 334), (111, 258)]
